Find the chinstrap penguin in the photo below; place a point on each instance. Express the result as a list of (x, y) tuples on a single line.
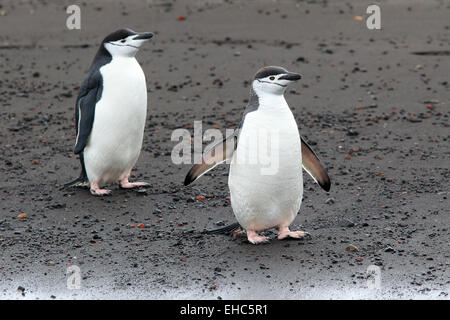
[(110, 113), (262, 200)]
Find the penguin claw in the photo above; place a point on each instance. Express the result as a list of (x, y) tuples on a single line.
[(101, 192), (255, 238), (266, 241), (297, 235), (130, 185)]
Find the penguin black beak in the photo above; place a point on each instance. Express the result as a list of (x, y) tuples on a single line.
[(290, 76), (143, 36)]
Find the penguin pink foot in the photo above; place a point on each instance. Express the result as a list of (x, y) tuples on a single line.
[(284, 232), (96, 191), (125, 184), (255, 238)]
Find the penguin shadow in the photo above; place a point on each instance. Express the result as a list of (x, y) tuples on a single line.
[(240, 236), (142, 190), (116, 190)]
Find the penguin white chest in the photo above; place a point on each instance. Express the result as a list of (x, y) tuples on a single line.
[(265, 180), (118, 129)]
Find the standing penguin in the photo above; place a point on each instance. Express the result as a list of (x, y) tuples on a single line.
[(110, 113), (261, 197)]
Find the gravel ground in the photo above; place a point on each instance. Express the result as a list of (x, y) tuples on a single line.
[(373, 103)]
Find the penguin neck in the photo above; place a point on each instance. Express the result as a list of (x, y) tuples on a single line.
[(271, 101), (103, 57)]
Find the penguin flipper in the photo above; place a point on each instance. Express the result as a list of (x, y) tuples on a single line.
[(312, 165), (212, 157), (90, 93)]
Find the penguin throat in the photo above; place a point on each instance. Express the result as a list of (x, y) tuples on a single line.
[(269, 101), (264, 88)]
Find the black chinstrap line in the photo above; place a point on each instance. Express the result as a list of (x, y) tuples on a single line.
[(125, 45), (284, 86)]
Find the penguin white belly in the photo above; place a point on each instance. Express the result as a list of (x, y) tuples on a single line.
[(261, 201), (118, 129)]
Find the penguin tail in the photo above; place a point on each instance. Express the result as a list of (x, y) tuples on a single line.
[(81, 181), (224, 230)]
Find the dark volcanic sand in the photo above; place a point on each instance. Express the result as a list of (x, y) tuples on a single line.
[(362, 90)]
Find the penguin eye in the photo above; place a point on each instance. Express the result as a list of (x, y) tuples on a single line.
[(123, 40), (272, 78)]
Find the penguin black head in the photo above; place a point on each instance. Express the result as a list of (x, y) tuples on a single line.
[(125, 42), (273, 80)]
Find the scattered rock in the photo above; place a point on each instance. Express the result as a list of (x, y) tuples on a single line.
[(352, 248), (346, 223), (22, 216)]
